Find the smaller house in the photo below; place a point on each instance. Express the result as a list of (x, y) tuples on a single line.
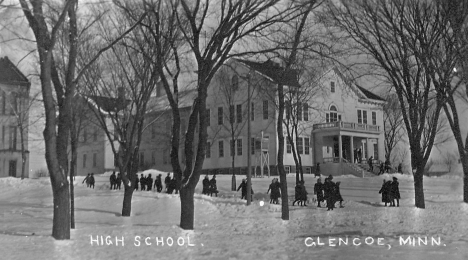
[(14, 116)]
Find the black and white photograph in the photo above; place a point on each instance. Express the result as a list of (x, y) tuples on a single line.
[(234, 129)]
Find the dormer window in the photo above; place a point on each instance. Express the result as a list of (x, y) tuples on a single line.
[(332, 87), (235, 83)]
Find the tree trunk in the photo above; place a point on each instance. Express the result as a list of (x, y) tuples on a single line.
[(61, 220), (464, 162), (284, 195), (23, 153), (127, 201), (419, 188), (74, 156), (187, 208)]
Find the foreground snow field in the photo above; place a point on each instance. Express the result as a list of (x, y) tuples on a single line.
[(225, 228)]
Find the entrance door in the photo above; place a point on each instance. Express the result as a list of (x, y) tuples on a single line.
[(12, 169)]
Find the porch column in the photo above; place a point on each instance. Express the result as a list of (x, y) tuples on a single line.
[(368, 152), (352, 149), (340, 153), (340, 148)]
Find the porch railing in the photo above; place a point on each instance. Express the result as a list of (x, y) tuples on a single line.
[(347, 125)]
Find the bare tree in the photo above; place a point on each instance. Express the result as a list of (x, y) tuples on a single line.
[(120, 88), (448, 68), (57, 96), (393, 124), (449, 159), (386, 31), (236, 113)]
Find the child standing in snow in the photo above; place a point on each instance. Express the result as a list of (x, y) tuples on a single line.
[(337, 194), (318, 191), (91, 180)]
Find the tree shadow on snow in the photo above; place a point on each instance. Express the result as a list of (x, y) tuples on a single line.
[(370, 204), (117, 214)]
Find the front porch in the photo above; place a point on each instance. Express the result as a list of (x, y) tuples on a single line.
[(337, 145)]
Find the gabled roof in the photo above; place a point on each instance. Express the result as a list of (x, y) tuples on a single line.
[(369, 94), (361, 91), (161, 103), (10, 74), (109, 104), (274, 72)]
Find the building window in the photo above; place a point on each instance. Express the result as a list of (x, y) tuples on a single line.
[(231, 146), (252, 112), (265, 109), (299, 111), (13, 138), (220, 115), (208, 117), (306, 111), (359, 116), (3, 136), (364, 117), (332, 87), (221, 148), (14, 104), (3, 103), (287, 169), (153, 131), (306, 145), (300, 146), (94, 159), (208, 150), (239, 147), (95, 134), (239, 113), (252, 145), (288, 146), (85, 135), (231, 114), (84, 160), (235, 83), (332, 116), (374, 118)]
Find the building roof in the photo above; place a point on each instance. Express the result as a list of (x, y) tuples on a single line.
[(362, 91), (369, 94), (109, 104), (274, 71), (161, 103), (10, 74)]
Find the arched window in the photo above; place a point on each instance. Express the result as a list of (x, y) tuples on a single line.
[(235, 82), (332, 115)]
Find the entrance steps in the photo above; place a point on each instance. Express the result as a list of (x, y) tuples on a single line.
[(355, 169)]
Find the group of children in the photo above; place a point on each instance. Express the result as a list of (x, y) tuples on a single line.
[(209, 186), (89, 179), (390, 192), (115, 181), (328, 191)]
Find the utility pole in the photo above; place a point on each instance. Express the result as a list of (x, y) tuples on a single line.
[(249, 161)]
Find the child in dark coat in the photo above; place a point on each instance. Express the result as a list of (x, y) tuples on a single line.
[(318, 191), (386, 192), (337, 194), (91, 180), (395, 192)]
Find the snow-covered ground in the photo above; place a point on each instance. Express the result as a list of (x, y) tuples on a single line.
[(225, 228)]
